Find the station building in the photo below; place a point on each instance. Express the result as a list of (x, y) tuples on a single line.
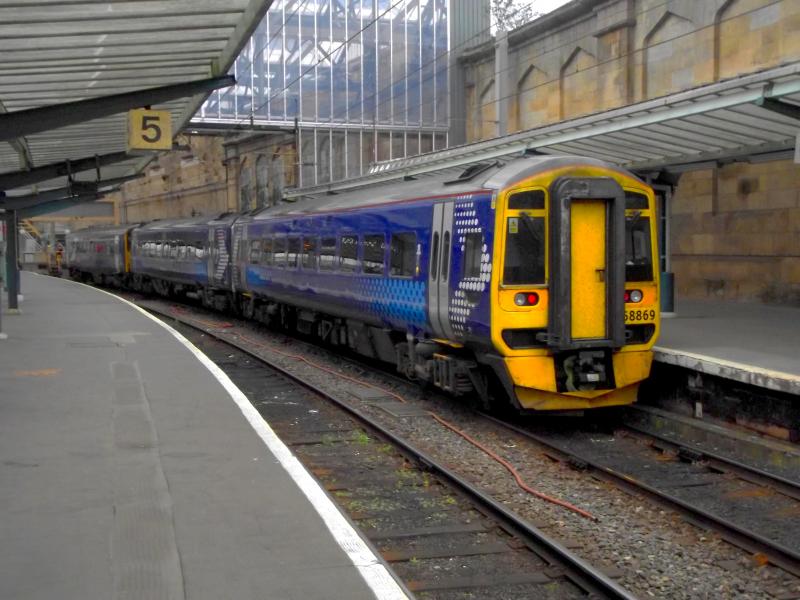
[(396, 89), (733, 226)]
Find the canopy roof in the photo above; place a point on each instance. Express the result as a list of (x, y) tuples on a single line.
[(59, 51), (756, 117)]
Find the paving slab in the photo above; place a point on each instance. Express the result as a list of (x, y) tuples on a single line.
[(127, 470)]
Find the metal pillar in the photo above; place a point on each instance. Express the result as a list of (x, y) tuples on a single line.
[(12, 265), (3, 336)]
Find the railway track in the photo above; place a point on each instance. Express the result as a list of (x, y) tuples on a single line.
[(749, 507), (744, 527), (442, 535)]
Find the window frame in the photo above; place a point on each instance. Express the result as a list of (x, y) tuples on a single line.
[(364, 270), (354, 268), (414, 265)]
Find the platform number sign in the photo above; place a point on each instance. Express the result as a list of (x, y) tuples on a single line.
[(149, 129)]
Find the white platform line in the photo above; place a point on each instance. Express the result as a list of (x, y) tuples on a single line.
[(374, 572)]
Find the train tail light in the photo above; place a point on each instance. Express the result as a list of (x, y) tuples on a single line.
[(526, 299), (633, 296)]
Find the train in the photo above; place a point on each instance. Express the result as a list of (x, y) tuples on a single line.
[(526, 283)]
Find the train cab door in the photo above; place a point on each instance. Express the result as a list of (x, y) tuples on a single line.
[(439, 269), (587, 282)]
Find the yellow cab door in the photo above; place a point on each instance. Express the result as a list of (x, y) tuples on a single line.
[(588, 269), (587, 276)]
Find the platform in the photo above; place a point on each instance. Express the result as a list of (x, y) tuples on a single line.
[(131, 470), (750, 343)]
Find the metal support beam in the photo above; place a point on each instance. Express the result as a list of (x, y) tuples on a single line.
[(12, 262), (780, 107), (84, 189), (43, 208), (35, 120), (9, 181)]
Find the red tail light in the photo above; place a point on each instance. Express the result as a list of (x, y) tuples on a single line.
[(526, 299)]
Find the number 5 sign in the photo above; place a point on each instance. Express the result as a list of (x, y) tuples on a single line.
[(149, 129)]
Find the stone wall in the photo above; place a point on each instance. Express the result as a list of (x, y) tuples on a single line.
[(180, 183), (736, 233), (590, 56), (735, 229)]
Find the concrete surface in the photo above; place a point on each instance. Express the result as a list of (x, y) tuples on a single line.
[(128, 472), (751, 343)]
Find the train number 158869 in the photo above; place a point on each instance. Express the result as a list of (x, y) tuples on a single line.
[(639, 315)]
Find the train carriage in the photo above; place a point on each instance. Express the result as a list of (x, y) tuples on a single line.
[(184, 257), (530, 281), (100, 254)]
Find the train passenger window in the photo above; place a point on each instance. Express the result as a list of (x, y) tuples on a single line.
[(327, 254), (174, 250), (473, 252), (200, 252), (403, 254), (293, 253), (435, 256), (348, 252), (527, 200), (445, 268), (309, 253), (374, 253), (635, 200), (638, 258), (525, 247), (255, 251), (266, 251), (279, 252)]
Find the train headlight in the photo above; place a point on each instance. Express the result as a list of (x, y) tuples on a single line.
[(633, 296), (526, 299)]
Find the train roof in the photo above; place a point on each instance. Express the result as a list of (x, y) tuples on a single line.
[(189, 223), (491, 176), (101, 231)]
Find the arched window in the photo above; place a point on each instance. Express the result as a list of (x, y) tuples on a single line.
[(244, 190), (262, 177), (276, 180)]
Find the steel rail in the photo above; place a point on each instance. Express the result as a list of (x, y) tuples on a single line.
[(579, 571), (777, 554), (749, 473)]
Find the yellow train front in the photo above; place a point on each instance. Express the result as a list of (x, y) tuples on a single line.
[(575, 307)]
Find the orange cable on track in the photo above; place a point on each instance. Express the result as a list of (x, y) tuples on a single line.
[(511, 469), (508, 466)]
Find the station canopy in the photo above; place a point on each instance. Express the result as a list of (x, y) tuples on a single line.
[(751, 118), (59, 53)]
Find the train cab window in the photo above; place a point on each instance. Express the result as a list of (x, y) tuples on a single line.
[(279, 252), (473, 251), (255, 251), (525, 247), (403, 254), (638, 258), (266, 251), (348, 252), (327, 254), (527, 200), (293, 253), (374, 253), (310, 253)]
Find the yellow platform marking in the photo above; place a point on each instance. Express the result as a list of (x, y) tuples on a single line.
[(588, 265), (38, 373)]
